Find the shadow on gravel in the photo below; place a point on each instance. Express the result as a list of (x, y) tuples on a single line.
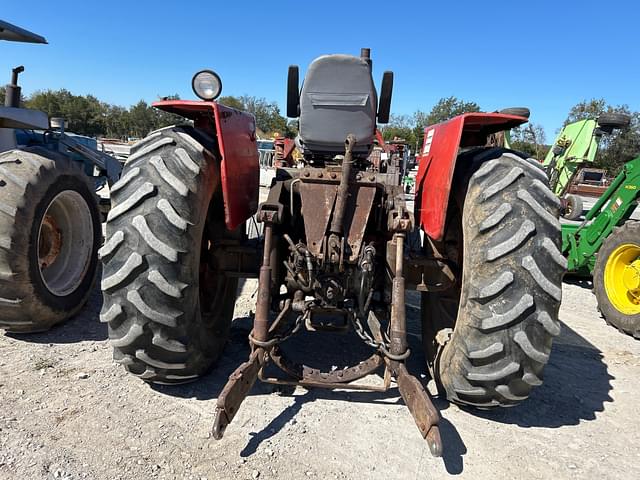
[(85, 326), (454, 448), (584, 282), (576, 387)]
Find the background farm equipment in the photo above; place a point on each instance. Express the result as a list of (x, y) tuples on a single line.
[(575, 146), (337, 252), (589, 182), (607, 245), (49, 217)]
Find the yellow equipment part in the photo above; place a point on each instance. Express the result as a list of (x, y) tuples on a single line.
[(622, 278)]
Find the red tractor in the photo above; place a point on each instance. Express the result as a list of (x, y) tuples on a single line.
[(339, 247)]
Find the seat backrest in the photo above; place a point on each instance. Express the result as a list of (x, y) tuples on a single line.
[(338, 97)]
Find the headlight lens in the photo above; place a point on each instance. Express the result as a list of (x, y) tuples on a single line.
[(207, 85)]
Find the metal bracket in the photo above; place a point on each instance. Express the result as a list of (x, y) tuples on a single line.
[(270, 213)]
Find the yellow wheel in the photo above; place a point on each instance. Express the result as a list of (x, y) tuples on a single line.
[(616, 278), (622, 278)]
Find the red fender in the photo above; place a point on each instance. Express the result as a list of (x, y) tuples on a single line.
[(438, 162), (235, 132)]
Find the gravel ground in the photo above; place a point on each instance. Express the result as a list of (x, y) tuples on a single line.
[(68, 412)]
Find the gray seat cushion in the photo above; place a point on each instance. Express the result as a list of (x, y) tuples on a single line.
[(338, 97)]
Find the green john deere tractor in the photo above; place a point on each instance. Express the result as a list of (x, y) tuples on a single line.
[(606, 245), (575, 146)]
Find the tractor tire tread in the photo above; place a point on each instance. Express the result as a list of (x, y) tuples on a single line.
[(509, 302), (28, 177), (150, 280)]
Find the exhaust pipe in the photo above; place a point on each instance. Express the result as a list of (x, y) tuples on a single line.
[(12, 94)]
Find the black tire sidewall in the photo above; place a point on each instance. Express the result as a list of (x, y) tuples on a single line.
[(576, 205), (614, 120)]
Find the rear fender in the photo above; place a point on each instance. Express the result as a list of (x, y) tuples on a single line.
[(438, 161), (235, 133)]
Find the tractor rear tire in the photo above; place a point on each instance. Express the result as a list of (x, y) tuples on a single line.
[(49, 236), (168, 306), (573, 208), (616, 303), (489, 337)]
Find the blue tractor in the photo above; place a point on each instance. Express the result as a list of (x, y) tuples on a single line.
[(50, 223)]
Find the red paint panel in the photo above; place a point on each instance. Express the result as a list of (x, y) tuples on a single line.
[(239, 168), (191, 109), (438, 162)]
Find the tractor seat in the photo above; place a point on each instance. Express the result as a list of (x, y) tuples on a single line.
[(338, 97)]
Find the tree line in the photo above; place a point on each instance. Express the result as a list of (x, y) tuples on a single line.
[(614, 150), (87, 115)]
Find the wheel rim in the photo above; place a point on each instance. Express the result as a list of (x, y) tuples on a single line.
[(65, 243), (622, 278)]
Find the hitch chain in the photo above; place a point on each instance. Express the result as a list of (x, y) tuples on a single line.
[(276, 339), (370, 341)]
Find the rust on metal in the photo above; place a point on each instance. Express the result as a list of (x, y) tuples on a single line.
[(326, 273), (317, 204), (357, 215), (422, 409), (261, 319), (49, 241), (337, 222), (341, 376), (398, 325), (235, 391)]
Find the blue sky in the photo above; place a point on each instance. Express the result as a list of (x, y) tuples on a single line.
[(541, 54)]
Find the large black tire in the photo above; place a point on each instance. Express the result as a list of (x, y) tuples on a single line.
[(614, 120), (488, 338), (625, 321), (49, 236), (573, 207), (168, 308)]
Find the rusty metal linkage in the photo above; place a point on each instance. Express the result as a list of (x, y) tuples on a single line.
[(235, 391), (332, 273), (413, 393), (241, 381)]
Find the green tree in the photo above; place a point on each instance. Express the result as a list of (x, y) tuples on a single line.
[(233, 102), (141, 118), (267, 114), (615, 149), (400, 126), (84, 114), (444, 109), (447, 108), (530, 139)]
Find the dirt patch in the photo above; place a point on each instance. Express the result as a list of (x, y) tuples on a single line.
[(68, 412)]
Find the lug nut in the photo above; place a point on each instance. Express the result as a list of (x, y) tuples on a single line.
[(306, 174), (333, 175)]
